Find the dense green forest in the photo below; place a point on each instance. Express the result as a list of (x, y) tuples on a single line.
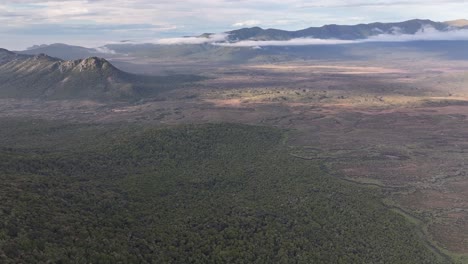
[(215, 193)]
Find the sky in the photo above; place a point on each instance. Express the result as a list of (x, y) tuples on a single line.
[(92, 23)]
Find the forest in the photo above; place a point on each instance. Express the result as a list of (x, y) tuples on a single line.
[(211, 193)]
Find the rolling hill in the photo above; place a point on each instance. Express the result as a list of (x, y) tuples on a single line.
[(45, 77)]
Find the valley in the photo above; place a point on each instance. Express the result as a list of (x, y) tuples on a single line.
[(390, 124), (227, 131)]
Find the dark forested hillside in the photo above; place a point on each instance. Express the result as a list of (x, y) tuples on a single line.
[(191, 194)]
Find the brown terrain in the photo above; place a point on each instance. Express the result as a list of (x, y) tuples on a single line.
[(397, 125)]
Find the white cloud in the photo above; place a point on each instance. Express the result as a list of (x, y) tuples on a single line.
[(191, 40), (384, 3), (57, 9), (292, 42), (426, 33), (247, 23), (105, 50)]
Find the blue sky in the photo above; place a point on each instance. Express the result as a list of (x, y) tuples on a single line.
[(92, 23)]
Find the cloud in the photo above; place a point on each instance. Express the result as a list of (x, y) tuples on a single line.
[(292, 42), (426, 33), (247, 23), (214, 38), (375, 3), (105, 50)]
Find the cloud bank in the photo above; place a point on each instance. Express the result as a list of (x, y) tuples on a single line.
[(426, 33), (291, 42), (191, 40)]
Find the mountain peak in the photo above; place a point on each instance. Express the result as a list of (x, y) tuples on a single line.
[(94, 63), (41, 56), (91, 64), (419, 20), (93, 78), (48, 77)]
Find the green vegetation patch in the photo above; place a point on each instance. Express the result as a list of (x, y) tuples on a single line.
[(216, 193)]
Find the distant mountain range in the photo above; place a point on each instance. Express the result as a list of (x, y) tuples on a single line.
[(225, 47), (45, 77), (344, 32), (64, 51), (327, 32)]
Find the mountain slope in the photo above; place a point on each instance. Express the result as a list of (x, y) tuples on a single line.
[(44, 77)]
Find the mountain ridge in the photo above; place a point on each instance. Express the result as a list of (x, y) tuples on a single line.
[(334, 31), (63, 51)]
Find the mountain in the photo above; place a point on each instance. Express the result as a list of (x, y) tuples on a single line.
[(66, 52), (344, 32), (45, 77)]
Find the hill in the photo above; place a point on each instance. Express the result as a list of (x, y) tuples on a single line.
[(45, 77)]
